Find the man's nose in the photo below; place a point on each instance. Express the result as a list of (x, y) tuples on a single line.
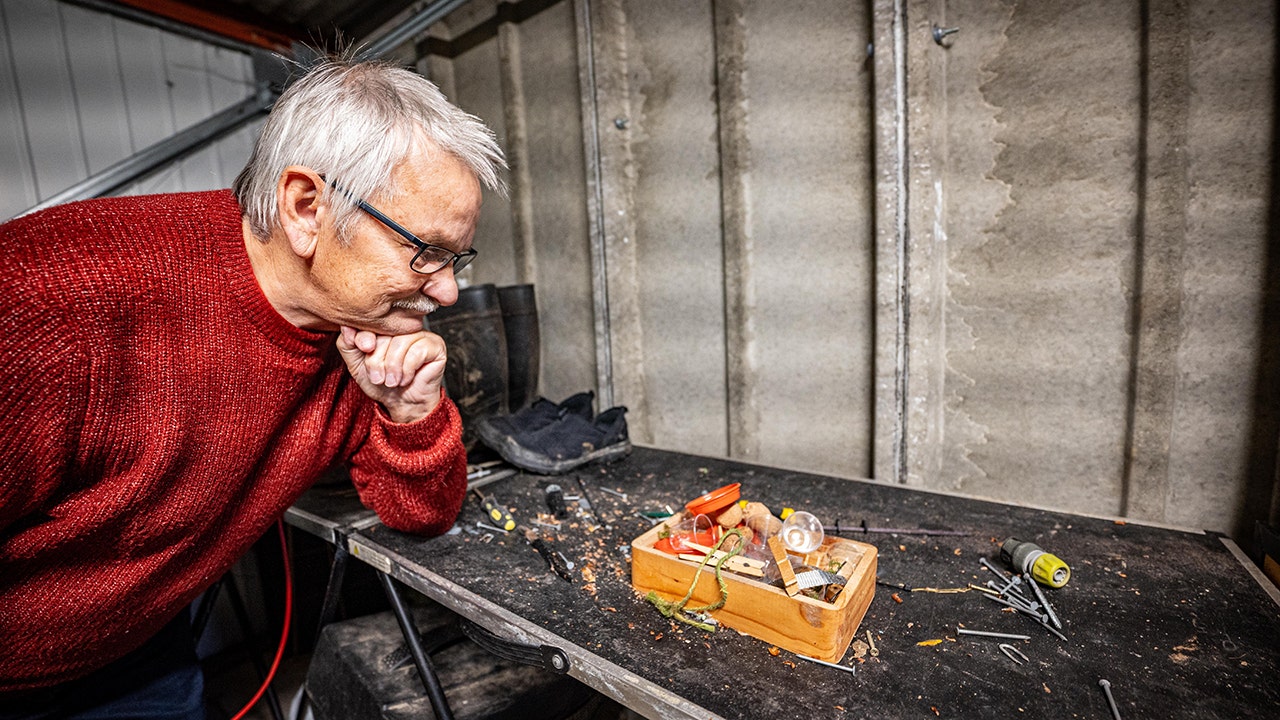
[(441, 286)]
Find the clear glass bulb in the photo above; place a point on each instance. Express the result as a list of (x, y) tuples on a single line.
[(802, 532)]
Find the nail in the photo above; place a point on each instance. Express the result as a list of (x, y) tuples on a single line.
[(845, 668), (983, 633), (1010, 651), (1111, 702)]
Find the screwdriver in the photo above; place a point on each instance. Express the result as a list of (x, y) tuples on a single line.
[(555, 561), (497, 513), (1029, 558)]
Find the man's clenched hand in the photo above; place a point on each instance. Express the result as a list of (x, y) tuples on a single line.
[(402, 372)]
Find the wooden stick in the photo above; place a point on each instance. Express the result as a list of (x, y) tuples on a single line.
[(736, 564), (718, 553)]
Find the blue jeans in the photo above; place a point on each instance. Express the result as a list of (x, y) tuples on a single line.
[(161, 680)]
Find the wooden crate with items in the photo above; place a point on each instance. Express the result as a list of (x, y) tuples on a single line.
[(723, 560)]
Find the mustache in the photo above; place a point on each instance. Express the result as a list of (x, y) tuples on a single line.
[(419, 304)]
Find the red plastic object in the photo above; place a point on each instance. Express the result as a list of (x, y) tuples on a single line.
[(674, 543), (715, 501)]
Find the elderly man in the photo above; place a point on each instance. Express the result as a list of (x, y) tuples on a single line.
[(176, 370)]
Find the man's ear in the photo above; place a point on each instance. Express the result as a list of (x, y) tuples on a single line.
[(301, 212)]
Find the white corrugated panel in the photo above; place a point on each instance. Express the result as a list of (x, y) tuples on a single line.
[(80, 91)]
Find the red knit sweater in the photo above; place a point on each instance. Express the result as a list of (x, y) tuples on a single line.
[(157, 416)]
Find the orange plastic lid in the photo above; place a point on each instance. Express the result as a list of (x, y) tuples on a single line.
[(715, 500)]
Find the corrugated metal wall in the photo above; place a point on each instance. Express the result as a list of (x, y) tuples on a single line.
[(80, 91)]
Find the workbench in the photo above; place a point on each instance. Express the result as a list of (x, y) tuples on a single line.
[(1179, 622)]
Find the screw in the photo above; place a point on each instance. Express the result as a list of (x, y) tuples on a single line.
[(1111, 702), (986, 564), (620, 123), (491, 527), (1053, 617), (1020, 608), (1051, 629), (940, 33)]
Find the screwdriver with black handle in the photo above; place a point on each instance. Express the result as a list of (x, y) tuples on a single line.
[(498, 514), (554, 560)]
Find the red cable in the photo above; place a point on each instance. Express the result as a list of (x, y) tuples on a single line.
[(284, 634)]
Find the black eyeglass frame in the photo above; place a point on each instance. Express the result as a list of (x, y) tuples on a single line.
[(459, 260)]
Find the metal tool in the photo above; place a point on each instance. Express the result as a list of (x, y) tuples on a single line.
[(1011, 651), (940, 34), (555, 561), (555, 502), (586, 500), (984, 633), (1053, 617), (1111, 702), (814, 578), (998, 572), (651, 520), (615, 493), (1029, 558), (845, 668), (838, 529), (496, 513), (1053, 630)]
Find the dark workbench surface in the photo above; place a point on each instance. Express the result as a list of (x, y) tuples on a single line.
[(1172, 619)]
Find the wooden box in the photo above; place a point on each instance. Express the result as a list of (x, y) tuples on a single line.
[(800, 624)]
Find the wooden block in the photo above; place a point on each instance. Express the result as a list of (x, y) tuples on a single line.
[(799, 624)]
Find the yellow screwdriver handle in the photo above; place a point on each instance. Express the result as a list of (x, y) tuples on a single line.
[(498, 514)]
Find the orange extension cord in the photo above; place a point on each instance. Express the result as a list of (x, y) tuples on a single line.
[(284, 633)]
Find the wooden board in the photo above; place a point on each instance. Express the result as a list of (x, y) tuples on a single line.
[(800, 624)]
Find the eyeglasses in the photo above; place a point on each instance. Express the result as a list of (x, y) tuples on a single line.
[(429, 258)]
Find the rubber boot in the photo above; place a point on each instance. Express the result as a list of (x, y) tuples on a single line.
[(520, 321), (475, 376)]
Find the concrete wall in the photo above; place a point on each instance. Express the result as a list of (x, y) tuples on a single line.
[(1033, 263), (1096, 179), (1029, 264)]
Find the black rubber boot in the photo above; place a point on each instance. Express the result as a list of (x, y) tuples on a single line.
[(520, 320), (476, 375)]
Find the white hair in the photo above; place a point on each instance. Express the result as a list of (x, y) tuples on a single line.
[(354, 122)]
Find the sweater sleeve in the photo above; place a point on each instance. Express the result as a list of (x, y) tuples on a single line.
[(414, 475), (43, 391)]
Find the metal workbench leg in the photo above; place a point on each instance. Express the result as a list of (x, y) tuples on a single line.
[(435, 693), (333, 591)]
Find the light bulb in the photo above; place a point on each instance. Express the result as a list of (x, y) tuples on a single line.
[(802, 532)]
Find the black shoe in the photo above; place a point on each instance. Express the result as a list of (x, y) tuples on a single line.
[(568, 442), (493, 429)]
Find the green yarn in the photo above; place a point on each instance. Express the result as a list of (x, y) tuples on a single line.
[(676, 610)]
